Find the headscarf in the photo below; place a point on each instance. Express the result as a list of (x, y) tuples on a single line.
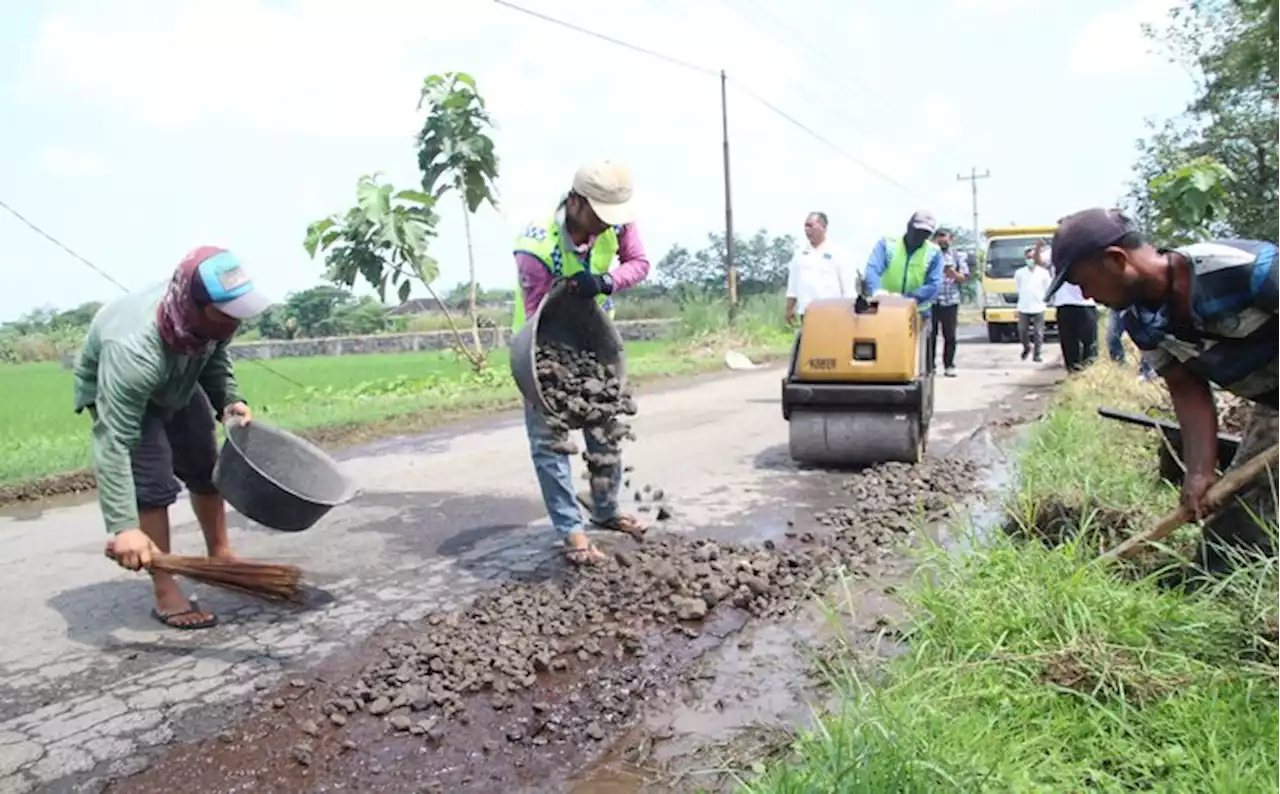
[(179, 316)]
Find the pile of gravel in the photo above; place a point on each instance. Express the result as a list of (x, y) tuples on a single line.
[(498, 646)]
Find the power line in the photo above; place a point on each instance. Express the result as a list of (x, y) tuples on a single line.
[(836, 66), (821, 139), (58, 243), (839, 71), (709, 72), (619, 42), (108, 277)]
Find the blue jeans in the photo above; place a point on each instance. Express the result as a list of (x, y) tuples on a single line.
[(555, 476), (1115, 344)]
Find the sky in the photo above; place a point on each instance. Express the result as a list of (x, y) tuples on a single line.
[(135, 130)]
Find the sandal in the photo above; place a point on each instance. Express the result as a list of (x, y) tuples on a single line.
[(623, 523), (586, 555), (619, 523), (170, 618)]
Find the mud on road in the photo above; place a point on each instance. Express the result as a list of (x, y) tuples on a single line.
[(532, 681)]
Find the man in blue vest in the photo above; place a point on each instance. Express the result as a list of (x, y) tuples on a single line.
[(911, 266), (593, 224)]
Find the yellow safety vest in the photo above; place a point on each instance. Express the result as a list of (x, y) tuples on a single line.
[(546, 242)]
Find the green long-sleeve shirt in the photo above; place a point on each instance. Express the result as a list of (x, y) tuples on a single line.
[(123, 366)]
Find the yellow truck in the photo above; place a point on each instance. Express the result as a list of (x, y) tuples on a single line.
[(1006, 252)]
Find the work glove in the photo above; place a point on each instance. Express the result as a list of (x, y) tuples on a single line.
[(588, 285)]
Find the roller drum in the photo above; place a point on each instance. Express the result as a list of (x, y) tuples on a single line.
[(855, 438)]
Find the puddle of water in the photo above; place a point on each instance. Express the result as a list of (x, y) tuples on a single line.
[(985, 515), (748, 695)]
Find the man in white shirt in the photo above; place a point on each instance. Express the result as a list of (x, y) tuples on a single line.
[(819, 271), (1077, 319), (1032, 282)]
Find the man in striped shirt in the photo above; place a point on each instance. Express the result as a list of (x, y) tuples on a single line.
[(1202, 314)]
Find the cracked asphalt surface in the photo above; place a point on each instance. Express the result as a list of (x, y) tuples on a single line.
[(93, 690)]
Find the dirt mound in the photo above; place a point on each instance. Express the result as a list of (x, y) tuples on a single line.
[(1107, 673), (55, 485), (507, 639), (1233, 412), (1056, 522)]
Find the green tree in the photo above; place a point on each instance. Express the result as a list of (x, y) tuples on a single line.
[(384, 239), (1189, 203), (455, 151), (314, 309), (761, 259), (361, 316), (1230, 47)]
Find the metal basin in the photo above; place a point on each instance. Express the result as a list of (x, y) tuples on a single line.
[(278, 479), (564, 317)]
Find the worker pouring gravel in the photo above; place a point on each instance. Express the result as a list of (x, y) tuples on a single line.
[(153, 372), (911, 266), (1202, 314), (593, 224)]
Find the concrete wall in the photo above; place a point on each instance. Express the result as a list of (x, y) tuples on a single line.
[(631, 330)]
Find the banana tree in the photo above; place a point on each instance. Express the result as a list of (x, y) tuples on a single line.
[(384, 239), (455, 151)]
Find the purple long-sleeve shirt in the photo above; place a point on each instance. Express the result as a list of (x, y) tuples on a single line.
[(633, 267)]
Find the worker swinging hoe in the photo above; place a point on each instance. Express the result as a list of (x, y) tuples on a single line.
[(859, 389)]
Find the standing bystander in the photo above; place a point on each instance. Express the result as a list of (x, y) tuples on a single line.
[(1077, 319), (1031, 281), (946, 307), (818, 271)]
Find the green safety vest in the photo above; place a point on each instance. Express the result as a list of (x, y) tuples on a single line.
[(904, 275), (555, 251)]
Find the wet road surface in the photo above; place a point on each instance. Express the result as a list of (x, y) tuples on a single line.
[(91, 689)]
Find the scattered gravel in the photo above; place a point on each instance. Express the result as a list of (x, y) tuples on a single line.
[(498, 647)]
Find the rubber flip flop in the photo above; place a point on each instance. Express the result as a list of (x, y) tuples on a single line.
[(591, 555), (168, 619), (636, 529)]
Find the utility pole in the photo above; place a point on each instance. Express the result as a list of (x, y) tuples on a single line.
[(731, 271), (972, 179)]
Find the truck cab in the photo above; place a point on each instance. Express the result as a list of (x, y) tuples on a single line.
[(1005, 253)]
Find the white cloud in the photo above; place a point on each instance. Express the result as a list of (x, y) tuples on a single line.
[(1112, 45), (71, 161)]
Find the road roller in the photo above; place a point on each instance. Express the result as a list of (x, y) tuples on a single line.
[(858, 390)]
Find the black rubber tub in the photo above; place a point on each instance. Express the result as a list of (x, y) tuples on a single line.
[(278, 479), (564, 317)]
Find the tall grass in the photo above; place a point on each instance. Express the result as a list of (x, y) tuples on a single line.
[(1030, 670), (758, 321)]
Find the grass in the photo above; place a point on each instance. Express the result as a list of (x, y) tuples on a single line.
[(1030, 670), (363, 395)]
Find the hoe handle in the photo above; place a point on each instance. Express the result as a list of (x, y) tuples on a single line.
[(1219, 494)]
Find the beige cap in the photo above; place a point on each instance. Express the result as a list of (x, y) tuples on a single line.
[(607, 188)]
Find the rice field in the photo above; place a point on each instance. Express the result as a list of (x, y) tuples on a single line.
[(41, 436)]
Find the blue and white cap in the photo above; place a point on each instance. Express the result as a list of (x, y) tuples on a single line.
[(226, 285)]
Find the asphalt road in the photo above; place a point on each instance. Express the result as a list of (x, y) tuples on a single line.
[(91, 687)]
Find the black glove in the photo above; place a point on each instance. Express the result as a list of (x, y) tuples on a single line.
[(588, 285)]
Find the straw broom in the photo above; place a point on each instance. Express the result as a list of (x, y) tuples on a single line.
[(268, 581)]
